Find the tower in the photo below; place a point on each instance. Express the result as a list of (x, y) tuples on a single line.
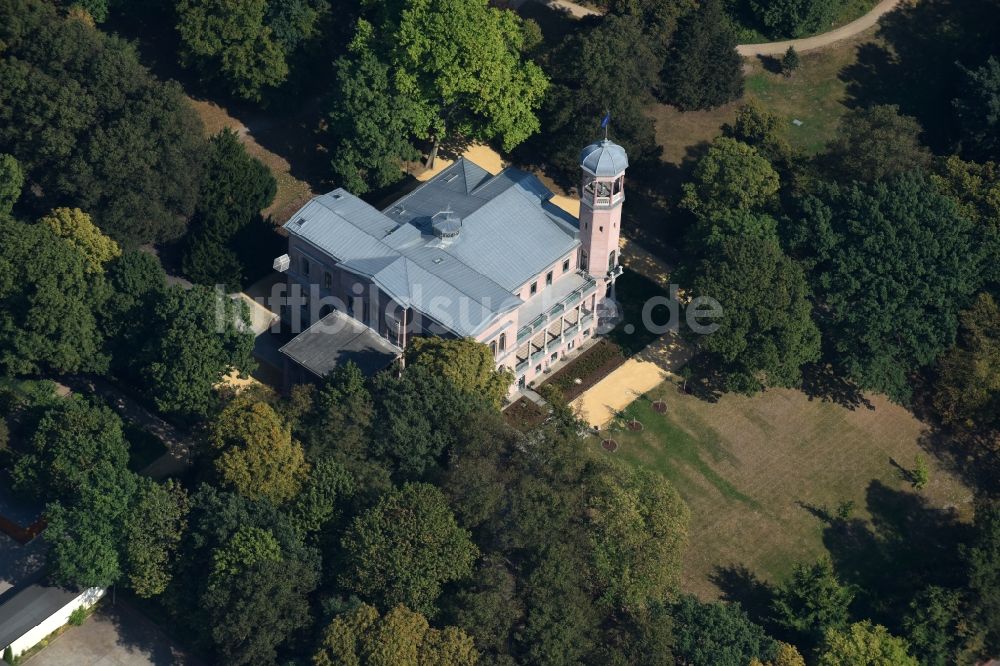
[(601, 196)]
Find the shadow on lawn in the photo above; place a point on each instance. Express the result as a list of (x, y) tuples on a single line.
[(916, 67), (905, 546), (820, 381)]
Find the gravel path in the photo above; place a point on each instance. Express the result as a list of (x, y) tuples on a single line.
[(825, 39)]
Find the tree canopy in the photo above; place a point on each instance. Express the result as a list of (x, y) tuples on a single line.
[(92, 128), (703, 70), (467, 363), (864, 643), (402, 550)]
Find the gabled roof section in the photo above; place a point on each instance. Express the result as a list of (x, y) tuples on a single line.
[(509, 232)]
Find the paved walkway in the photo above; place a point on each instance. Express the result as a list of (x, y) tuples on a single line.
[(113, 636), (825, 39)]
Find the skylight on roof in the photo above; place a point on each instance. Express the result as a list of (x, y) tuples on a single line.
[(438, 260)]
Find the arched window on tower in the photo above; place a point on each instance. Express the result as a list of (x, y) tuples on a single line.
[(493, 348), (584, 260), (503, 342)]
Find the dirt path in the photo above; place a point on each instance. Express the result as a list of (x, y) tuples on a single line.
[(825, 39), (178, 456)]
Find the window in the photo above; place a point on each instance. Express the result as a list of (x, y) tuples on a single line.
[(327, 279), (493, 348), (618, 185), (548, 279), (305, 266), (538, 368), (534, 288), (503, 342), (566, 266), (584, 263)]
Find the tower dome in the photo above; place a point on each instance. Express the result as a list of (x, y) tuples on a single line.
[(604, 158)]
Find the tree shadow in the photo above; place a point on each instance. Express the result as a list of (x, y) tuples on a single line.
[(770, 64), (138, 635), (905, 546), (820, 381), (915, 66), (741, 585)]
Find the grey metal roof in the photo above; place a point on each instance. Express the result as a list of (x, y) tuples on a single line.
[(509, 232), (336, 339), (604, 158), (26, 609)]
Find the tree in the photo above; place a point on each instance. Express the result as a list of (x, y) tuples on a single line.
[(11, 182), (460, 61), (757, 127), (731, 175), (877, 143), (75, 226), (404, 548), (766, 333), (892, 264), (92, 128), (84, 531), (329, 483), (717, 634), (152, 532), (96, 9), (228, 41), (136, 280), (591, 79), (401, 637), (703, 69), (197, 337), (983, 558), (790, 61), (658, 18), (812, 602), (234, 189), (638, 528), (978, 110), (48, 301), (794, 18), (258, 457), (418, 418), (74, 441), (967, 391), (467, 363), (256, 610), (489, 607), (864, 643), (371, 125), (935, 626)]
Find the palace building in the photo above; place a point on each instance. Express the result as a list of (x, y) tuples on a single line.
[(466, 254)]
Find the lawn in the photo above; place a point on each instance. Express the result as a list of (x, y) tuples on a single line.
[(814, 94), (759, 473)]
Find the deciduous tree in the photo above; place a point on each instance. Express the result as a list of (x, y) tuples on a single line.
[(258, 457), (467, 363), (877, 143), (48, 301), (718, 634), (401, 636), (11, 182), (732, 175), (197, 337), (978, 110), (75, 226), (864, 643), (152, 532), (229, 41), (402, 550)]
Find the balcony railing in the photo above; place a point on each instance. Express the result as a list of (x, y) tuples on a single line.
[(538, 355), (521, 367), (586, 319), (541, 320), (570, 331)]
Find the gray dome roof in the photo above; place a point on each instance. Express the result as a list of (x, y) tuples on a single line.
[(604, 158)]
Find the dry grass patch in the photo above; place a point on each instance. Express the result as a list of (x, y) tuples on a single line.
[(755, 471)]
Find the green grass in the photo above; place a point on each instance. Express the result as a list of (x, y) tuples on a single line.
[(678, 454), (758, 471)]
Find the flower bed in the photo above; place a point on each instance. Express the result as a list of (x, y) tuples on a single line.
[(590, 367)]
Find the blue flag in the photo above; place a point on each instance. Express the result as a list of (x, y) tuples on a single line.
[(605, 120)]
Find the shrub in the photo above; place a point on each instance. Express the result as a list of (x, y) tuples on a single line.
[(77, 617), (790, 61), (921, 473)]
